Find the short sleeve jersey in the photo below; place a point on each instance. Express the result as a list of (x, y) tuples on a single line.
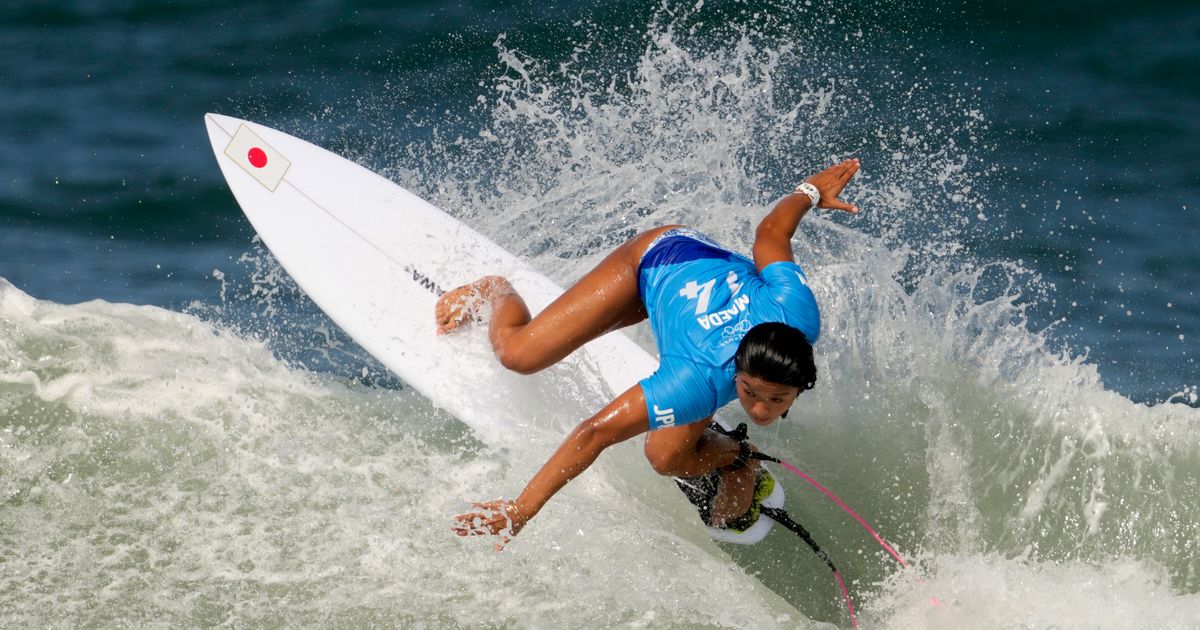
[(702, 299)]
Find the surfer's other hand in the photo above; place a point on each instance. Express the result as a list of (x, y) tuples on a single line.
[(498, 518), (832, 181)]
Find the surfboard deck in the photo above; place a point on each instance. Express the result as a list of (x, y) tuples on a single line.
[(375, 257)]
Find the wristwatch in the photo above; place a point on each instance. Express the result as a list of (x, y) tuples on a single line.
[(811, 191)]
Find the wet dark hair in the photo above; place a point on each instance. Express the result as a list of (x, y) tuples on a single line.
[(777, 353)]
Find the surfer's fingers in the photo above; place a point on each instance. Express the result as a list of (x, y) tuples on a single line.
[(838, 204), (831, 181), (841, 176), (841, 170), (488, 512), (491, 520), (504, 517), (467, 529), (478, 524), (849, 168), (468, 519)]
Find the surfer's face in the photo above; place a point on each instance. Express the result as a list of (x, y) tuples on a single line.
[(764, 401)]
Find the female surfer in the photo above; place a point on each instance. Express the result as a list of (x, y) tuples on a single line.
[(725, 327)]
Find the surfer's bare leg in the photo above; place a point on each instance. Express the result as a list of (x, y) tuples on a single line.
[(691, 451), (735, 494), (604, 299)]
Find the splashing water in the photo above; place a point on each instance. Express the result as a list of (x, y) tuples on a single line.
[(965, 430), (159, 467)]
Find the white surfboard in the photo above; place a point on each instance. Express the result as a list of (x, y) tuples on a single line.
[(375, 257)]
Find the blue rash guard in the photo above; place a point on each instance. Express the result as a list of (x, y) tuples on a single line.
[(702, 299)]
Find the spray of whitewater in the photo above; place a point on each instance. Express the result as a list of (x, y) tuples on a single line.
[(980, 443), (190, 469)]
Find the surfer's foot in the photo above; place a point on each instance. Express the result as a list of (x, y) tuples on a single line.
[(735, 495), (465, 304)]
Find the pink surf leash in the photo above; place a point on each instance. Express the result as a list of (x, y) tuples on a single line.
[(845, 507), (781, 517)]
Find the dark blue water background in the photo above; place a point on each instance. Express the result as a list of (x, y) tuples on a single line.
[(1088, 171)]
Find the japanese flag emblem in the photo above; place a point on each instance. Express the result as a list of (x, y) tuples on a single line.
[(257, 157)]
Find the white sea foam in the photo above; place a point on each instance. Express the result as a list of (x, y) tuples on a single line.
[(188, 477)]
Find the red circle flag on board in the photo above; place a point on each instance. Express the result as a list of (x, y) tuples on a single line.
[(257, 158)]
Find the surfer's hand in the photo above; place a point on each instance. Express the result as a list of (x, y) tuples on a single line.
[(499, 518), (832, 181)]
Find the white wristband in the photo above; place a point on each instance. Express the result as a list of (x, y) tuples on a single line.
[(811, 191)]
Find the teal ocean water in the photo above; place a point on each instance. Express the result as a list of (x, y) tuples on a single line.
[(1009, 359)]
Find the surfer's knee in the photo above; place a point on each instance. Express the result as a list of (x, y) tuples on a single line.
[(666, 461), (655, 231), (672, 450), (516, 355)]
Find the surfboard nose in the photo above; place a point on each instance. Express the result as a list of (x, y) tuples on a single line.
[(219, 122)]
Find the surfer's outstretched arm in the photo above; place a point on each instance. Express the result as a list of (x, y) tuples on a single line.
[(685, 450), (773, 239), (621, 419)]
